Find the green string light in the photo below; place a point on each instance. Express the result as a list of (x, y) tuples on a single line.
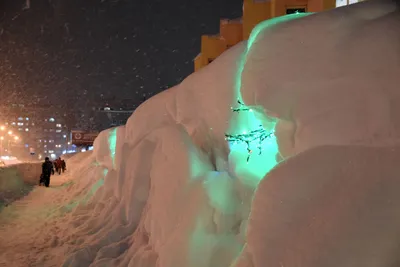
[(241, 107), (260, 134)]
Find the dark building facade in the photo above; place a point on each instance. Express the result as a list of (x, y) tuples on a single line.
[(108, 118)]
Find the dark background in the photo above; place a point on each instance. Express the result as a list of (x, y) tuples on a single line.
[(80, 54)]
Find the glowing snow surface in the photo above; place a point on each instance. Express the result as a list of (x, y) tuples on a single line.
[(166, 190)]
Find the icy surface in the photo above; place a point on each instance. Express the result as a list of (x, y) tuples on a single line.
[(166, 190)]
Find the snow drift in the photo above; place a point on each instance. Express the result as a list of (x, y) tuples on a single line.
[(329, 206), (17, 181), (166, 190), (331, 77)]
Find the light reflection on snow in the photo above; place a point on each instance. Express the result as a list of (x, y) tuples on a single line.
[(112, 140)]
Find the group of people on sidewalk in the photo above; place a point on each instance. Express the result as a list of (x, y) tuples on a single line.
[(48, 168)]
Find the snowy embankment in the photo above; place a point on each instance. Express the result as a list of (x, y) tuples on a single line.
[(166, 190), (17, 180)]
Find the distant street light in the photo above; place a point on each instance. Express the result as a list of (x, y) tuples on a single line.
[(1, 145), (2, 128), (16, 137), (10, 132)]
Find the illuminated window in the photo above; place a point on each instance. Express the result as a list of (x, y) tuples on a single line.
[(58, 131), (52, 119), (27, 118), (26, 129), (13, 123), (58, 125), (51, 141), (51, 151), (20, 119), (340, 3), (20, 123)]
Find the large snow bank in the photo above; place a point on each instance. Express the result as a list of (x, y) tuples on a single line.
[(166, 190), (331, 77), (10, 160), (329, 206), (17, 181)]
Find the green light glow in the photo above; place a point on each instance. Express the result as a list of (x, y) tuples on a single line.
[(248, 123), (271, 22), (83, 200), (250, 133), (112, 141)]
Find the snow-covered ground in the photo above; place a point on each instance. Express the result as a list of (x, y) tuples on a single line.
[(17, 180), (9, 160), (167, 190)]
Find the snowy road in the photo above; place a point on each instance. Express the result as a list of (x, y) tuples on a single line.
[(22, 222)]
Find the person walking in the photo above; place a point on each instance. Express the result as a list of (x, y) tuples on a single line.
[(63, 165), (47, 171)]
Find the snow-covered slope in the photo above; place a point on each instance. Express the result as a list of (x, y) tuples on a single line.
[(166, 190), (17, 180)]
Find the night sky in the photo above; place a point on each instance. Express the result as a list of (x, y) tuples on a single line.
[(83, 53)]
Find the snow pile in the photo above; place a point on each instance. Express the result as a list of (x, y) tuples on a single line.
[(9, 160), (332, 77), (166, 190), (17, 180), (329, 206)]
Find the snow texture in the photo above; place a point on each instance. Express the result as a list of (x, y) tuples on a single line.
[(17, 180), (164, 191)]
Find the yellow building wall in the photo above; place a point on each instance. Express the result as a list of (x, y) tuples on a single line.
[(213, 46), (198, 63), (231, 31), (254, 12)]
